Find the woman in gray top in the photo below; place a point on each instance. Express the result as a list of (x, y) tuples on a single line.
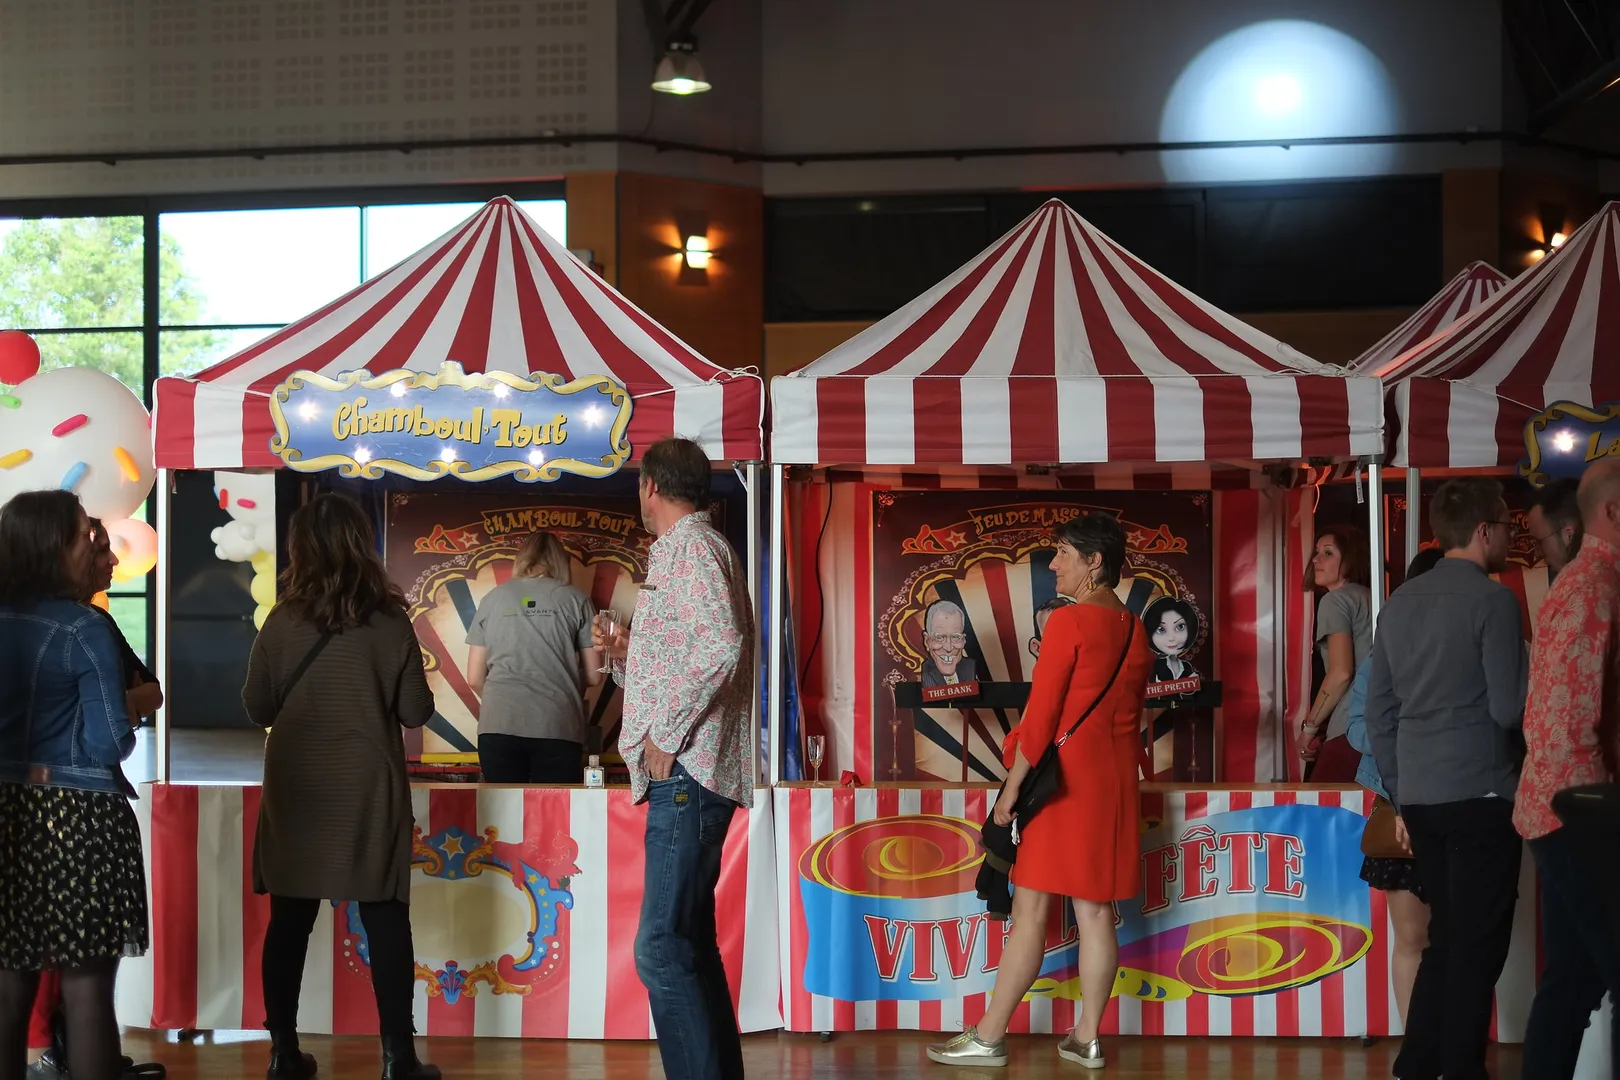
[(530, 661), (1344, 632)]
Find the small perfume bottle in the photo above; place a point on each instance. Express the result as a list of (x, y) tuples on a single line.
[(594, 776)]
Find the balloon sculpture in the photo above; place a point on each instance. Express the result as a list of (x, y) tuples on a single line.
[(250, 537), (79, 430)]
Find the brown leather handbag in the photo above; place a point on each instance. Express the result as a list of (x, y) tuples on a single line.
[(1379, 839)]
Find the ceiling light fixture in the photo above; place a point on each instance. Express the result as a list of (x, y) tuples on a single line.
[(679, 71)]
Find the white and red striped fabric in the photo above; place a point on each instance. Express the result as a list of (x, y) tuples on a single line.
[(1057, 344), (1358, 1000), (202, 970), (496, 293), (1462, 398), (1478, 282)]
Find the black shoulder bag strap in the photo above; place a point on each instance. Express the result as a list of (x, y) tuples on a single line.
[(1130, 636), (303, 666)]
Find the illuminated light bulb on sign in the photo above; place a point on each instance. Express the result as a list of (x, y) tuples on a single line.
[(398, 389), (502, 391), (1564, 441), (362, 455), (537, 458), (307, 411), (593, 416), (448, 454)]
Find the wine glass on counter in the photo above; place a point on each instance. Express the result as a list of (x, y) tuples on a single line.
[(817, 747)]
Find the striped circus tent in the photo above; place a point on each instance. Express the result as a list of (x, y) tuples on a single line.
[(1057, 345), (1461, 399), (496, 293), (1477, 283)]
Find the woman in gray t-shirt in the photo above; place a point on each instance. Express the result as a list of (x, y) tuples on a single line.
[(1344, 632), (530, 661)]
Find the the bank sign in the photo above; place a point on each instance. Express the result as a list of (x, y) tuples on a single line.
[(426, 425)]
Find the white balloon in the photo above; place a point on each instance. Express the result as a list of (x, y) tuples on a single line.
[(80, 429), (236, 542), (250, 499)]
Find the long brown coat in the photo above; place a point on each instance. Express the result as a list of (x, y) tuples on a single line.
[(335, 818)]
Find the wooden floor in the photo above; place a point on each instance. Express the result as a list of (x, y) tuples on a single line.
[(226, 1056)]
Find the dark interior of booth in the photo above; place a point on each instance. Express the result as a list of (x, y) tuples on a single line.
[(211, 627)]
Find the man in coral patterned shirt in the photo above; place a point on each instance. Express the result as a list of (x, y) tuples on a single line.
[(687, 669), (1570, 729)]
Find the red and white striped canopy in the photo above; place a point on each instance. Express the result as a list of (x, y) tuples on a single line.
[(496, 293), (1477, 283), (1461, 399), (1058, 345)]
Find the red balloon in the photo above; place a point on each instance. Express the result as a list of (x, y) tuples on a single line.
[(19, 357)]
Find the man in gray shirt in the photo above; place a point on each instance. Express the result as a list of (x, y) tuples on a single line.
[(1445, 701)]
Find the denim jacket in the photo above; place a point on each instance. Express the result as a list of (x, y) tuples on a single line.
[(1367, 773), (63, 719)]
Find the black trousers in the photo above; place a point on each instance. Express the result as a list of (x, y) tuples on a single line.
[(1468, 856), (1583, 960), (393, 961), (513, 759)]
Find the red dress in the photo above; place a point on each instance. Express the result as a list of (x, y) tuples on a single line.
[(1084, 843)]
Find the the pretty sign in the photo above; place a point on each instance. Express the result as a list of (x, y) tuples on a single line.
[(1562, 440), (424, 425)]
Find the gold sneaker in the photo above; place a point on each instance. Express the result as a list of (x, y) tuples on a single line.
[(968, 1049), (1089, 1055)]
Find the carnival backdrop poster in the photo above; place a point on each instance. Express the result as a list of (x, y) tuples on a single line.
[(962, 587), (447, 551)]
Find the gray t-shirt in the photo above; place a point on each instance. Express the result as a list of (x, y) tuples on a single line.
[(534, 629), (1345, 610)]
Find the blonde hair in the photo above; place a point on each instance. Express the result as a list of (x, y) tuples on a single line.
[(543, 555)]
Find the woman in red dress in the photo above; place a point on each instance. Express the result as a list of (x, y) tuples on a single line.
[(1083, 843)]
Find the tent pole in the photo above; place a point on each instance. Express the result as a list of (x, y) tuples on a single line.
[(778, 595), (1375, 537), (751, 482), (165, 581), (1414, 506)]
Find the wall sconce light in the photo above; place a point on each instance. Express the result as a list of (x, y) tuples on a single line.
[(1556, 240), (696, 253)]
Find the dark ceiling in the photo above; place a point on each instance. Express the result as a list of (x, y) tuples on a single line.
[(1567, 57)]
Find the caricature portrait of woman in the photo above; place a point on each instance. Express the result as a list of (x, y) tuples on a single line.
[(1172, 626)]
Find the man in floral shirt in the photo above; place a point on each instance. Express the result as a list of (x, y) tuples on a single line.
[(687, 668), (1570, 731)]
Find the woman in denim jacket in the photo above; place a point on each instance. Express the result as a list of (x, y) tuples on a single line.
[(1396, 878), (72, 887)]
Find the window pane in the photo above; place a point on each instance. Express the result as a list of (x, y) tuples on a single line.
[(71, 272), (395, 233), (258, 266), (130, 615), (118, 354), (186, 352)]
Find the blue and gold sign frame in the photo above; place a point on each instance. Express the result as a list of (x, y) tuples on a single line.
[(1566, 437), (427, 425)]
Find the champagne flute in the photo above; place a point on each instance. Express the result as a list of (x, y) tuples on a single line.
[(607, 621), (818, 748)]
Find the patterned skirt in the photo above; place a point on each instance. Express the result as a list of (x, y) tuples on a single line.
[(1392, 875), (72, 885)]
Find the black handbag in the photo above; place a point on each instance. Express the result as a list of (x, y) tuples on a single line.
[(1041, 785)]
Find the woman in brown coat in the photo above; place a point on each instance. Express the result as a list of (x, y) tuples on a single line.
[(334, 674)]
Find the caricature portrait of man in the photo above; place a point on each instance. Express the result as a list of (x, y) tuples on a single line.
[(1043, 613), (945, 640)]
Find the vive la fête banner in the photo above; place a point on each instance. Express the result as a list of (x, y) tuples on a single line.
[(477, 427), (1233, 904), (1566, 437)]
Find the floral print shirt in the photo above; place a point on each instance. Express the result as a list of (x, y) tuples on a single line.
[(1570, 725), (689, 676)]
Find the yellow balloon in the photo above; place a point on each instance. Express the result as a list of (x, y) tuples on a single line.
[(260, 613), (100, 600), (264, 562), (263, 589)]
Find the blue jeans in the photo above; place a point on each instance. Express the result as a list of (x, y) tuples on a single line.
[(1583, 960), (677, 949)]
